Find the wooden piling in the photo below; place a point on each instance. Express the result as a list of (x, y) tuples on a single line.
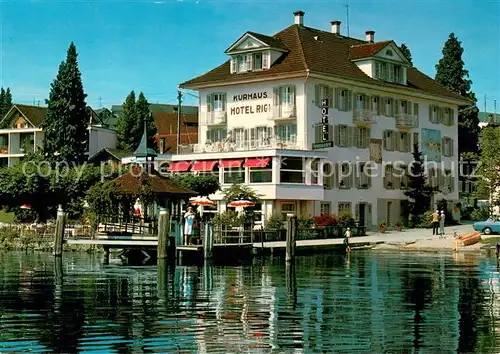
[(208, 240), (162, 250), (291, 236), (59, 232)]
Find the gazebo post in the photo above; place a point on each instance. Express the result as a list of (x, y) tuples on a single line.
[(162, 247)]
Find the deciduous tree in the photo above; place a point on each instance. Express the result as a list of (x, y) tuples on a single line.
[(489, 167)]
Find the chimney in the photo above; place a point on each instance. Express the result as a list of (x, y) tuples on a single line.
[(370, 36), (336, 27), (298, 18)]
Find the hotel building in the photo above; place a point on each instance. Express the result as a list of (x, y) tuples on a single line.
[(292, 114)]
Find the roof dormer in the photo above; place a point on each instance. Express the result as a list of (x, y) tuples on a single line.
[(380, 60), (254, 52)]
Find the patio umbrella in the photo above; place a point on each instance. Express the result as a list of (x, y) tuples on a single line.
[(241, 203), (26, 206), (203, 201)]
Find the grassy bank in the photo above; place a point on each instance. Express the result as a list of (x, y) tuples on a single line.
[(29, 240), (490, 240)]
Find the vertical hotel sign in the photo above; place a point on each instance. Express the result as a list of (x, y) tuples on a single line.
[(325, 134)]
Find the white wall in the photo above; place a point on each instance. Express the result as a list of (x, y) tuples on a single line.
[(100, 138)]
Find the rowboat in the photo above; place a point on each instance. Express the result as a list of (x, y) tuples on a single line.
[(469, 239)]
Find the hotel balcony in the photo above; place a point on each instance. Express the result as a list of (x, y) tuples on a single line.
[(244, 145), (215, 118), (363, 116), (283, 112), (404, 120)]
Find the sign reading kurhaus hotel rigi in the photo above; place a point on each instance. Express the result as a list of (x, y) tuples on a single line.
[(250, 109)]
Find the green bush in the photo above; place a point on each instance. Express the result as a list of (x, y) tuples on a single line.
[(274, 222), (481, 213), (305, 222), (346, 219)]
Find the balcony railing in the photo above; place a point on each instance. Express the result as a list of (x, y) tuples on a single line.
[(215, 118), (404, 120), (283, 112), (363, 116), (244, 145)]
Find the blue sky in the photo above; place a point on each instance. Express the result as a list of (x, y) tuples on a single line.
[(152, 46)]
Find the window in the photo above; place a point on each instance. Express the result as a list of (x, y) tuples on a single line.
[(433, 114), (292, 170), (447, 146), (404, 178), (375, 105), (345, 207), (404, 142), (361, 102), (234, 175), (313, 170), (388, 52), (257, 61), (403, 107), (388, 177), (363, 180), (287, 208), (448, 116), (362, 135), (388, 107), (286, 95), (242, 64), (342, 135), (397, 74), (239, 136), (4, 144), (449, 181), (325, 208), (415, 109), (323, 92), (328, 173), (261, 174), (216, 102), (215, 135), (345, 175), (389, 140), (318, 133), (343, 99), (287, 132), (256, 210)]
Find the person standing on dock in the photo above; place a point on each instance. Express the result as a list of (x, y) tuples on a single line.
[(347, 238), (441, 224), (435, 223), (188, 225)]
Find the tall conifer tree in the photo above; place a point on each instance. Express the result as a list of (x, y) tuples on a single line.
[(144, 112), (419, 192), (126, 123), (66, 119), (451, 73)]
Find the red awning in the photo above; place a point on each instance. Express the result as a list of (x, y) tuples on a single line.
[(179, 166), (231, 163), (260, 162), (204, 166)]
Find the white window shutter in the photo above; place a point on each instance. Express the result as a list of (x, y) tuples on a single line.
[(348, 100), (209, 102), (317, 133), (317, 95), (266, 61), (292, 94), (356, 137), (331, 96), (249, 62), (337, 135), (234, 65), (330, 132)]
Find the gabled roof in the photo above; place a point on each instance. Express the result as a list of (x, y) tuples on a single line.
[(35, 115), (366, 50), (117, 154), (319, 52), (269, 41)]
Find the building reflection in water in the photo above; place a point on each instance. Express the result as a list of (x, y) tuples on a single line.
[(368, 302)]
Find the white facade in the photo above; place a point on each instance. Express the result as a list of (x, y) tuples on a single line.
[(100, 138), (15, 143)]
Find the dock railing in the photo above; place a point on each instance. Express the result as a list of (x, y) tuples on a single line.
[(127, 225)]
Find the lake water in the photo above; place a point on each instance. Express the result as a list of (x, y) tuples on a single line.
[(369, 302)]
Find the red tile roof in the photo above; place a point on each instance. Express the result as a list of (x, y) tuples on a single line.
[(166, 123), (320, 52), (366, 50)]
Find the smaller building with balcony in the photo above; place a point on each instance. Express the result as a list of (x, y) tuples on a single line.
[(22, 133)]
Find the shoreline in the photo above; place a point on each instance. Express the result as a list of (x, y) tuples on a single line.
[(408, 240)]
